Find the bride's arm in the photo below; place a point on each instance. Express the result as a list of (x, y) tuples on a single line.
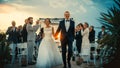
[(53, 31)]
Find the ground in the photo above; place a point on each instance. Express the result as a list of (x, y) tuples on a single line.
[(83, 65)]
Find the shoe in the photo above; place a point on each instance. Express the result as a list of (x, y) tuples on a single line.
[(73, 58), (69, 65), (77, 55), (64, 67), (32, 63), (24, 65)]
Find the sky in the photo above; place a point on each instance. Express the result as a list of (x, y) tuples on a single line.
[(81, 10)]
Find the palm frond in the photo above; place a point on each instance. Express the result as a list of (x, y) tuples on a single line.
[(111, 20)]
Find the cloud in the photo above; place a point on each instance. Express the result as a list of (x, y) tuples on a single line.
[(6, 8), (63, 3), (52, 8), (83, 9), (58, 3), (88, 2), (22, 7)]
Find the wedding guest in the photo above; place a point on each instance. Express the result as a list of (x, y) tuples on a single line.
[(91, 34), (31, 39), (92, 40), (102, 33), (85, 42), (78, 37), (24, 31), (12, 38), (20, 36)]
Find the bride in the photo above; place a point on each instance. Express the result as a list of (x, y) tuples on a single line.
[(48, 55)]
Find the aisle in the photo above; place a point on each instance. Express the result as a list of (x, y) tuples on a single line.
[(60, 66)]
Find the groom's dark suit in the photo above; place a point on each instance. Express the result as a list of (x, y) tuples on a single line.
[(66, 38)]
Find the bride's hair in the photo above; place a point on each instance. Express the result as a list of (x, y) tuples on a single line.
[(48, 19), (42, 30)]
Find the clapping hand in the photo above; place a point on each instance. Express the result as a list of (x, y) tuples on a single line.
[(37, 22)]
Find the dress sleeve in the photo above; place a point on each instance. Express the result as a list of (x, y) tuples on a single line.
[(86, 31)]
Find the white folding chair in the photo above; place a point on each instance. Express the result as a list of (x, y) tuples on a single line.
[(22, 50), (94, 45), (74, 48)]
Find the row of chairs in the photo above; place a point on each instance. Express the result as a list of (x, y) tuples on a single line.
[(94, 52), (22, 51)]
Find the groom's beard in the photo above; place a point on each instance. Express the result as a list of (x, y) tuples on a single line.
[(31, 23)]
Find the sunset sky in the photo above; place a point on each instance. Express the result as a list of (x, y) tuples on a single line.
[(81, 10)]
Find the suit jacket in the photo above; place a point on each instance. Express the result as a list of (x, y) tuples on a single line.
[(24, 33), (78, 36), (20, 37), (100, 36), (31, 32), (66, 34), (12, 35), (92, 36)]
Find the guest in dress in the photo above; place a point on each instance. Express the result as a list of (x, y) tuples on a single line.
[(85, 52)]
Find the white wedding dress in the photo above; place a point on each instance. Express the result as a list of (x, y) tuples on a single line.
[(49, 54)]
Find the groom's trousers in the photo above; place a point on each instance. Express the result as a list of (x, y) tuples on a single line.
[(64, 45)]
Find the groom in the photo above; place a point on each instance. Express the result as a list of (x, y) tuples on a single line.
[(66, 27)]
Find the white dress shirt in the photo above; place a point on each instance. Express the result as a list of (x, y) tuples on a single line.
[(67, 24)]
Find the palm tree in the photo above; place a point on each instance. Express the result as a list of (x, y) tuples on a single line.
[(111, 20)]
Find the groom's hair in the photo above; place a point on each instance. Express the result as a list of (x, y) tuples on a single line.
[(67, 12)]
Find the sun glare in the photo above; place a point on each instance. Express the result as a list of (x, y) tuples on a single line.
[(18, 17)]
